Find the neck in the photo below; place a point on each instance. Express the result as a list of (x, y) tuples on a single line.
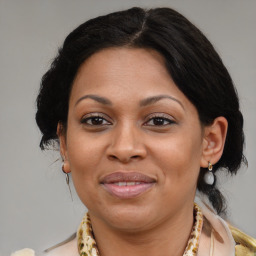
[(168, 237)]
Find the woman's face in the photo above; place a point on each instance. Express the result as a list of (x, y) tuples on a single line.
[(134, 142)]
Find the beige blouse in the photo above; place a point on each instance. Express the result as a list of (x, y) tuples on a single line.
[(216, 238)]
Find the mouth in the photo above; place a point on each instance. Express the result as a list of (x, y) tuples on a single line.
[(125, 185)]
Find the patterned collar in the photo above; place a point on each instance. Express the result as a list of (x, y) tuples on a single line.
[(87, 244)]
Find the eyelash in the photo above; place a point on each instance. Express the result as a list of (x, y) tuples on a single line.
[(161, 118), (90, 118), (94, 117)]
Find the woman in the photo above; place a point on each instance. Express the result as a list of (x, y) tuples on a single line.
[(145, 113)]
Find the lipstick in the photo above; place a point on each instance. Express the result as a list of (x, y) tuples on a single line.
[(126, 185)]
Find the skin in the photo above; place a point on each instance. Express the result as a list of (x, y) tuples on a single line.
[(126, 138)]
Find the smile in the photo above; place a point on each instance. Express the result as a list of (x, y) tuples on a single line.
[(127, 185), (130, 183)]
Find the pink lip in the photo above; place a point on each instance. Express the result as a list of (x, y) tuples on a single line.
[(114, 183)]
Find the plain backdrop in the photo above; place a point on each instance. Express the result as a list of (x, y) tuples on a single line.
[(36, 210)]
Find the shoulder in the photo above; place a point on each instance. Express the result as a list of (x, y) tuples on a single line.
[(226, 237), (66, 248), (245, 244)]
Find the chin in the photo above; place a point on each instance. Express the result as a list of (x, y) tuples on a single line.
[(128, 218)]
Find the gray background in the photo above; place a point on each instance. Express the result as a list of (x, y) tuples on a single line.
[(36, 209)]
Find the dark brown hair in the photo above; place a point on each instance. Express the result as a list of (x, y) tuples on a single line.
[(190, 58)]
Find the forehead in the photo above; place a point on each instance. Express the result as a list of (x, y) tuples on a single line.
[(131, 73), (123, 61)]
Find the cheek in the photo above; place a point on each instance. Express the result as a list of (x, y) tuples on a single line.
[(179, 159), (84, 158), (84, 155)]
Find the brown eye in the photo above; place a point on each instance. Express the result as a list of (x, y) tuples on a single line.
[(159, 121), (95, 121)]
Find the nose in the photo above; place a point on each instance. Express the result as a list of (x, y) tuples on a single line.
[(126, 145)]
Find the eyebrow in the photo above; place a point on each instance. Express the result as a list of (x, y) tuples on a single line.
[(154, 99), (143, 103), (99, 99)]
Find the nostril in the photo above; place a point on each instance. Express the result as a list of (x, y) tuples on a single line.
[(123, 158), (112, 157)]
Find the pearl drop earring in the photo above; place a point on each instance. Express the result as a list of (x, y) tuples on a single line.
[(209, 176)]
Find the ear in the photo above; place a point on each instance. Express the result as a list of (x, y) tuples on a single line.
[(63, 147), (214, 141)]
